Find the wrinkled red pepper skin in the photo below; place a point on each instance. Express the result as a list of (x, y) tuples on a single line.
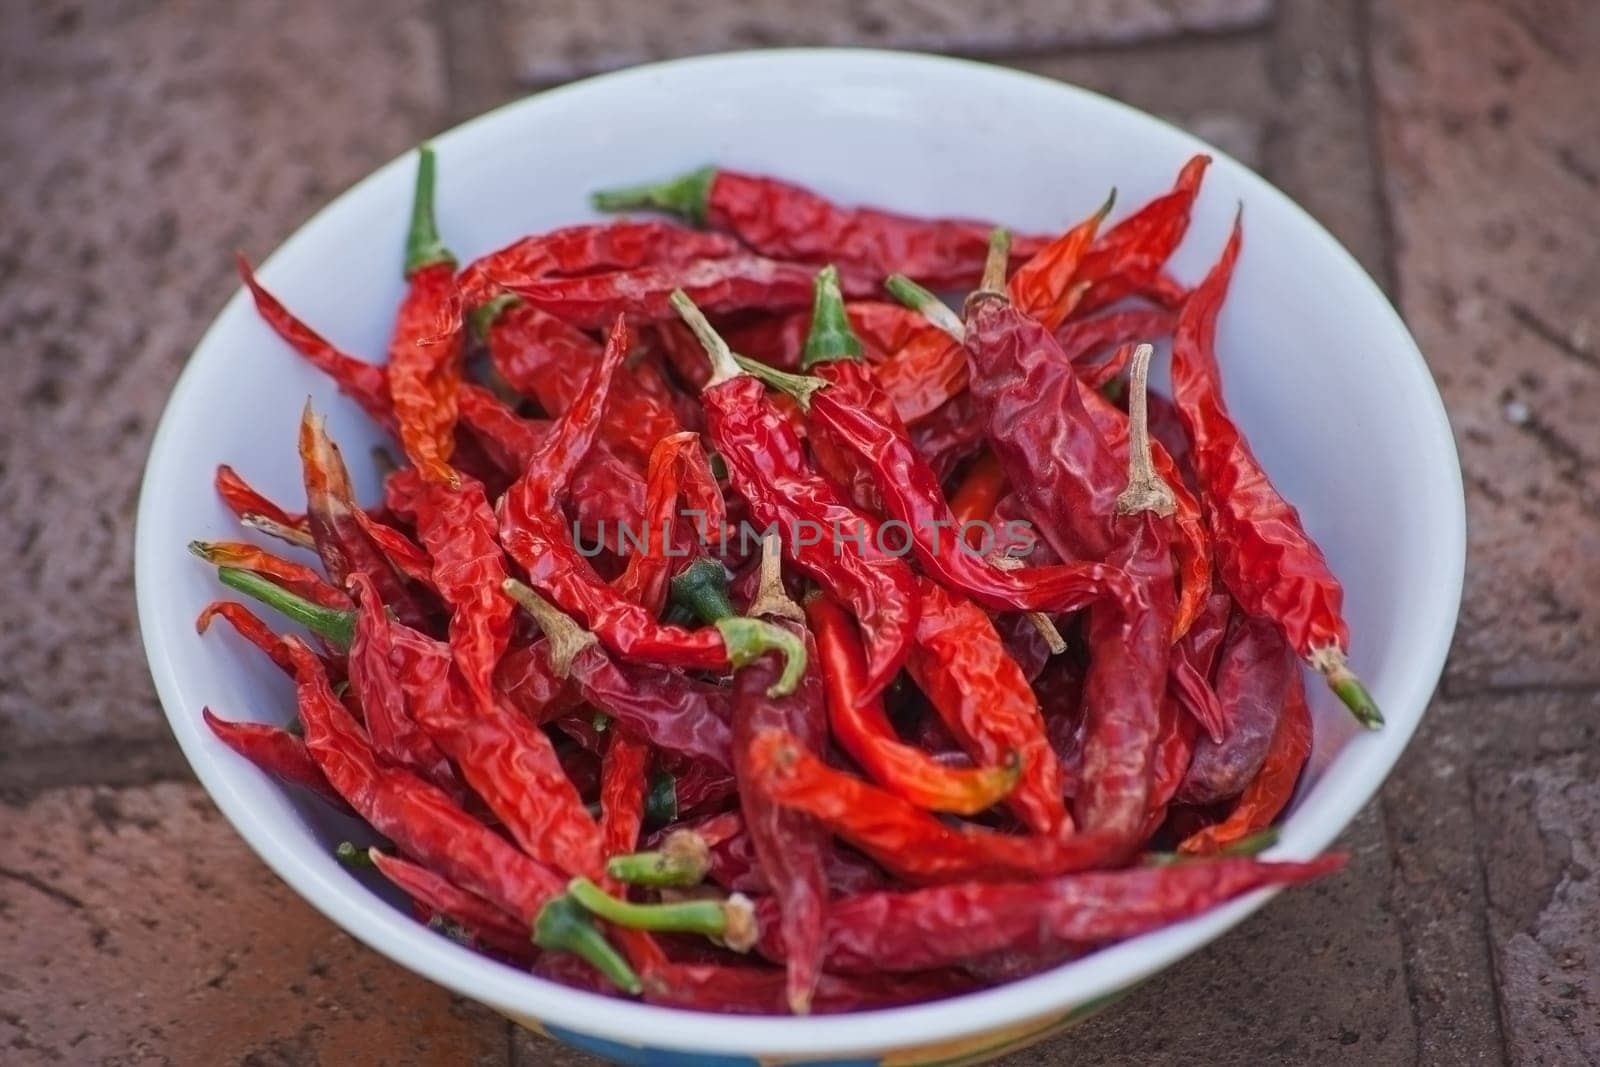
[(424, 371), (950, 925), (419, 818), (766, 462), (1128, 257), (1264, 555), (276, 751), (489, 928), (790, 845), (243, 500), (984, 699), (1270, 791), (1194, 660), (1254, 677), (1082, 338), (788, 221), (734, 865)]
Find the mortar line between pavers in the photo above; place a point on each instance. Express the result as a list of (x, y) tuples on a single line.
[(1496, 978)]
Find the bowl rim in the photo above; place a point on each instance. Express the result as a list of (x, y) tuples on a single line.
[(1038, 1000)]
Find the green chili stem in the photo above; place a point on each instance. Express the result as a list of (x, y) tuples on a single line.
[(685, 196), (702, 588), (1329, 661), (661, 802), (723, 364), (564, 926), (731, 921), (799, 386), (683, 859), (748, 639), (338, 627), (483, 317), (353, 857), (567, 639), (927, 305), (423, 246), (831, 337)]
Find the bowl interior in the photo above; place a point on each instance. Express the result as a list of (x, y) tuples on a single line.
[(1318, 369)]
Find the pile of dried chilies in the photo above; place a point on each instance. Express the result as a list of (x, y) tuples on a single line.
[(1011, 672)]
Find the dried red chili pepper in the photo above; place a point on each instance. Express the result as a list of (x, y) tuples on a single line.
[(424, 368), (1128, 258), (950, 925), (733, 283), (296, 577), (863, 730), (1270, 790), (396, 737), (729, 859), (249, 627), (670, 709), (761, 991), (334, 625), (257, 512), (906, 841), (276, 751), (644, 580), (365, 383), (1194, 659), (405, 554), (984, 699), (1045, 286), (624, 777), (591, 248), (1082, 338), (1125, 686), (1265, 557), (766, 463), (1254, 676), (488, 926), (789, 222), (459, 530), (342, 544)]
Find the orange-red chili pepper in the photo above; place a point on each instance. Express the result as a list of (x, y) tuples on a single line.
[(1267, 560), (863, 730), (276, 751), (299, 579), (1128, 258), (489, 927)]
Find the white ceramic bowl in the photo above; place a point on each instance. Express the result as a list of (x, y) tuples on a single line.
[(1318, 368)]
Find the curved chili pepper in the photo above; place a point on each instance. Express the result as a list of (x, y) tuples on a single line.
[(459, 530), (424, 369), (789, 222), (1128, 258), (863, 730), (1254, 676), (1081, 338), (974, 501), (342, 544), (405, 554), (766, 463), (983, 698), (648, 571), (365, 383), (951, 925), (1270, 790), (276, 751), (251, 508), (908, 842), (487, 925), (249, 627), (1267, 560), (1045, 285)]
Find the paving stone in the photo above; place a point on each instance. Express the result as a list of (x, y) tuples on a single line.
[(1542, 853), (1315, 977), (144, 143), (1216, 87), (556, 40), (135, 927), (1479, 101)]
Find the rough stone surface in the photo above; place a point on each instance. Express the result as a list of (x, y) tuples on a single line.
[(556, 40), (1489, 134), (145, 143), (1544, 905), (135, 927)]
